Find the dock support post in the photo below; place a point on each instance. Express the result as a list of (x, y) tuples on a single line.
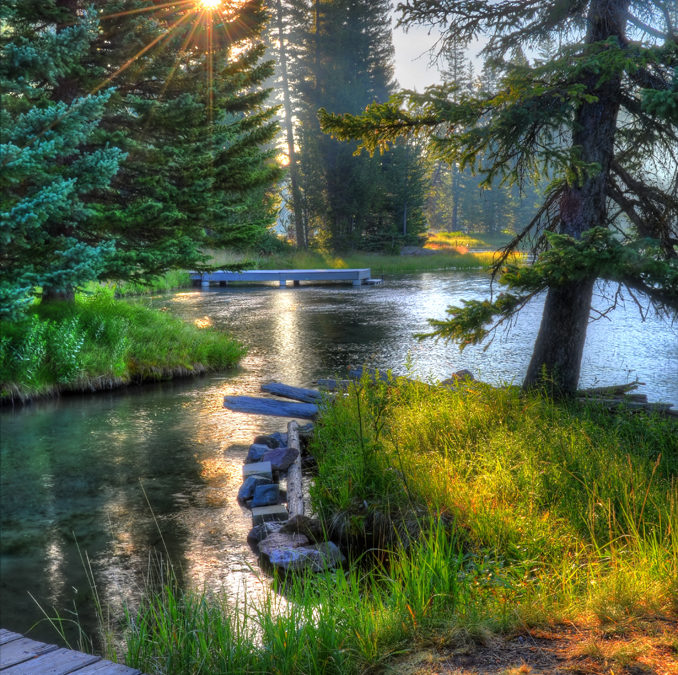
[(296, 282), (357, 282), (283, 283), (205, 282)]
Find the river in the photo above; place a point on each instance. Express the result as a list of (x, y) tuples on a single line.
[(103, 483)]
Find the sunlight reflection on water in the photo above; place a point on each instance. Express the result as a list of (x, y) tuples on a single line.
[(90, 469)]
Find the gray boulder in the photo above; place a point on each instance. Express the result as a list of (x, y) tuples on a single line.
[(266, 440), (280, 458), (266, 495), (280, 542), (260, 532), (316, 558), (249, 485), (256, 452)]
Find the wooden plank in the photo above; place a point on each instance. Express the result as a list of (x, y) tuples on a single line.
[(268, 406), (22, 649), (107, 668), (59, 662), (295, 393), (295, 491), (8, 636)]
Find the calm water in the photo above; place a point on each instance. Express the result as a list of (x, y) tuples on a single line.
[(105, 481)]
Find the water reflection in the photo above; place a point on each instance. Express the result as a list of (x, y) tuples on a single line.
[(118, 476)]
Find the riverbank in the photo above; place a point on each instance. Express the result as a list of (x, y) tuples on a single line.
[(475, 516), (100, 343)]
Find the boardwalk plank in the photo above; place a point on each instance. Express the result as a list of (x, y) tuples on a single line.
[(7, 636), (59, 662), (107, 668), (22, 649)]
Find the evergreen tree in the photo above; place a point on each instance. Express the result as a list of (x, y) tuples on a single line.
[(199, 136), (343, 62), (55, 173), (601, 117)]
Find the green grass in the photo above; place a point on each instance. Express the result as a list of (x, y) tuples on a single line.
[(379, 263), (169, 281), (487, 510), (452, 240), (98, 342)]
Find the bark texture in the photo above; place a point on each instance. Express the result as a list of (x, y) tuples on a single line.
[(556, 360)]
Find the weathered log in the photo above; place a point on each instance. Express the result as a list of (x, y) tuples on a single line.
[(611, 403), (268, 406), (295, 393), (334, 385), (295, 491), (611, 390)]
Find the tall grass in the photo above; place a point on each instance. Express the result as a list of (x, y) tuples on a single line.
[(465, 240), (586, 500), (488, 509), (98, 342)]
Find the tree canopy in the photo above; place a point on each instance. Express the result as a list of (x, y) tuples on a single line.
[(598, 118), (134, 135)]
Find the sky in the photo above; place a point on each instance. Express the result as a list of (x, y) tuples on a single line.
[(412, 58)]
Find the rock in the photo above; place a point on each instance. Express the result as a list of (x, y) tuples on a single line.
[(260, 532), (266, 440), (306, 429), (266, 495), (249, 485), (463, 375), (258, 469), (279, 438), (265, 514), (280, 458), (319, 557), (280, 542), (256, 452), (309, 527)]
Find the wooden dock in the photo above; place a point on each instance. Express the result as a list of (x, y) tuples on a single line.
[(20, 655), (357, 277)]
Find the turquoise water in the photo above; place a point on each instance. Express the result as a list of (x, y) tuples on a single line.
[(107, 482)]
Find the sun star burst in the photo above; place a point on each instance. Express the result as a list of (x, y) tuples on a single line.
[(210, 5)]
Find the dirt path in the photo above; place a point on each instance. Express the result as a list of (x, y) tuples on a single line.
[(648, 647)]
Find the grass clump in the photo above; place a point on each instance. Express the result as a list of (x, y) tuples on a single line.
[(98, 342), (463, 241), (578, 504)]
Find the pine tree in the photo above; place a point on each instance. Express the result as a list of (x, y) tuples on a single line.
[(55, 174), (200, 170), (343, 62), (601, 119)]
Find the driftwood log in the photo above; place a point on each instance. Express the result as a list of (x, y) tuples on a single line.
[(268, 406), (295, 492), (295, 393)]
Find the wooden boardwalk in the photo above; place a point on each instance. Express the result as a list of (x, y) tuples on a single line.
[(357, 277), (22, 656)]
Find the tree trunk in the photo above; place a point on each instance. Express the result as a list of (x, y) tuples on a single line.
[(58, 295), (297, 203), (556, 360)]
